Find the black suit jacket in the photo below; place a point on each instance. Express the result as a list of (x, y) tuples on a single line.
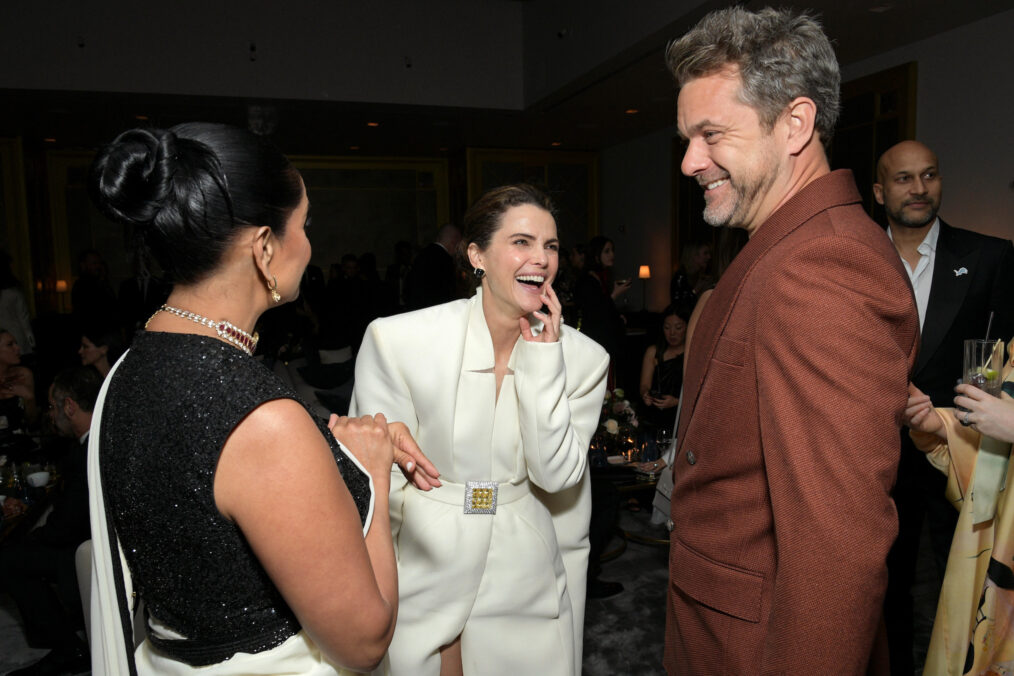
[(959, 306)]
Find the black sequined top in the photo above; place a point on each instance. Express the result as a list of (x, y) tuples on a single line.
[(170, 407)]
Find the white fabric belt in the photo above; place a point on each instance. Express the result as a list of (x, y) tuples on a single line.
[(478, 497)]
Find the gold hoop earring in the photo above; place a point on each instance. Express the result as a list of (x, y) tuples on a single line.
[(273, 288)]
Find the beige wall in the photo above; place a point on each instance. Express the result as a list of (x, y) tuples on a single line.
[(965, 113)]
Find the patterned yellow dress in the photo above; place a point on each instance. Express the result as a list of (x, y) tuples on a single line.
[(973, 632)]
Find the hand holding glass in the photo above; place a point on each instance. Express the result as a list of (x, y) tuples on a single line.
[(983, 365)]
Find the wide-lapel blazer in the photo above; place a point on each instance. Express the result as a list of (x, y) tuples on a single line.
[(788, 446), (432, 370), (973, 275)]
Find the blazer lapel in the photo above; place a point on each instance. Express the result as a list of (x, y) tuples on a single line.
[(835, 189), (475, 397), (947, 292)]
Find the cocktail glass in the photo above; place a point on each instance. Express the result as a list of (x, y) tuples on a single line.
[(983, 365)]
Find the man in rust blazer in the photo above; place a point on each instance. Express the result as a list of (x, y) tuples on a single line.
[(797, 374)]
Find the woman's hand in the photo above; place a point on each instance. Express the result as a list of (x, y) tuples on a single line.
[(919, 414), (987, 414), (550, 323), (621, 287), (19, 384), (367, 439), (653, 466), (416, 467), (406, 453), (665, 401)]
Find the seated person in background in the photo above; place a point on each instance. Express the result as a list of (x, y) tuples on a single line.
[(29, 569), (662, 370), (971, 444), (17, 388), (100, 347), (13, 308)]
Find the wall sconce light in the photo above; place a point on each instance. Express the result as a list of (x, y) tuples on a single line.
[(61, 298), (644, 274)]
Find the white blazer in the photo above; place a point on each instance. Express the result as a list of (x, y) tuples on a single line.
[(433, 370)]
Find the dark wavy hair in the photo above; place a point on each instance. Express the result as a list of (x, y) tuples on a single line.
[(188, 190)]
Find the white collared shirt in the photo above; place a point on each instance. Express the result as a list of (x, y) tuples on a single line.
[(922, 276)]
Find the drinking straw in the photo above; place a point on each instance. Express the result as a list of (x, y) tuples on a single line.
[(989, 324)]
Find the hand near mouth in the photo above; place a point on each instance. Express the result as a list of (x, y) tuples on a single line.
[(550, 323)]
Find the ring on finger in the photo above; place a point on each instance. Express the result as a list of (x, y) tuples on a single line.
[(965, 421)]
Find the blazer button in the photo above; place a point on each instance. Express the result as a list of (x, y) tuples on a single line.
[(691, 458), (669, 525)]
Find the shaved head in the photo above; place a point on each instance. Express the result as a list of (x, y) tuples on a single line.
[(908, 185), (900, 153)]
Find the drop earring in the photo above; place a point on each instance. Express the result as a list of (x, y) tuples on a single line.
[(273, 288)]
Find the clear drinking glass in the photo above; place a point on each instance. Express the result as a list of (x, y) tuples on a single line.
[(983, 365), (663, 439)]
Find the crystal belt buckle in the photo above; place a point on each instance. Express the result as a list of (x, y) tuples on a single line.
[(480, 497)]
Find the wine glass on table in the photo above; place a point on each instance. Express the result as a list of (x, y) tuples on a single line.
[(663, 439)]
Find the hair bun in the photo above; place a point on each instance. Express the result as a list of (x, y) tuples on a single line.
[(132, 175)]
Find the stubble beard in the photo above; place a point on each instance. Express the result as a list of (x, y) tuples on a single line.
[(746, 192), (898, 217)]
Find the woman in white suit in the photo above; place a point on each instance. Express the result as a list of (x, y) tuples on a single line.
[(503, 400)]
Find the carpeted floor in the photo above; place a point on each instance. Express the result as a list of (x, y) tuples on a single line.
[(14, 652), (623, 634)]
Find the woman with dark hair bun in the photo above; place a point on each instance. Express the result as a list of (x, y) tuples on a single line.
[(492, 565), (248, 527)]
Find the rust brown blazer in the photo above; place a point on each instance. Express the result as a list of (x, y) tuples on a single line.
[(788, 447)]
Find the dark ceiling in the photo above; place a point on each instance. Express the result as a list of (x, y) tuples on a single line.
[(587, 114)]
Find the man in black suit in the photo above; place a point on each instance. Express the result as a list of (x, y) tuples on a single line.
[(959, 278), (44, 559), (432, 279)]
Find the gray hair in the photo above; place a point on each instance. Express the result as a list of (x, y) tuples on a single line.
[(781, 55)]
